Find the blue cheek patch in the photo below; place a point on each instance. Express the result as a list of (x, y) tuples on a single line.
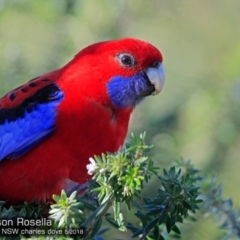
[(125, 91)]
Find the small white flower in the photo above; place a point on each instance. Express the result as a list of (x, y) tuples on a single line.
[(126, 191), (92, 166), (102, 170)]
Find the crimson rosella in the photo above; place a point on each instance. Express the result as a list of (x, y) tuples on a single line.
[(53, 124)]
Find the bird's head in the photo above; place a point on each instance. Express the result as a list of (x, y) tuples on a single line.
[(119, 72)]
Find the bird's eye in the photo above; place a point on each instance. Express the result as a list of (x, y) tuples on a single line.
[(126, 60), (155, 64)]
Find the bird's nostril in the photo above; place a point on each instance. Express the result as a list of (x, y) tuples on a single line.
[(155, 64)]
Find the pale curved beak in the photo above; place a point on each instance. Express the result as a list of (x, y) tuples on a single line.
[(156, 77)]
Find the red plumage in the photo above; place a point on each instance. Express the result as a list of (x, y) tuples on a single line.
[(87, 122)]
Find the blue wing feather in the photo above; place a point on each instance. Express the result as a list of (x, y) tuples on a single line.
[(24, 126)]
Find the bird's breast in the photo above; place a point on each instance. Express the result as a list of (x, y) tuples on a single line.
[(88, 128)]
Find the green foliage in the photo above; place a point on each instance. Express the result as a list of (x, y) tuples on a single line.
[(118, 180), (175, 198), (216, 204), (67, 211)]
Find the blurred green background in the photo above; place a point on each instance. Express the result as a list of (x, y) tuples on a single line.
[(196, 116)]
